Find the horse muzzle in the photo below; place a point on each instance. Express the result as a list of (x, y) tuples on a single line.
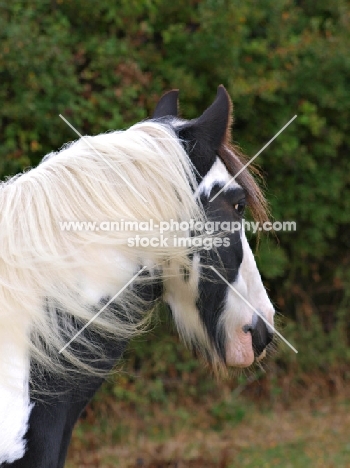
[(262, 334)]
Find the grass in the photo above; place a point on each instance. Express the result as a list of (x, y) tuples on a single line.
[(301, 438), (224, 434)]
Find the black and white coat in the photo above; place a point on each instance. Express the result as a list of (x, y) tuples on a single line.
[(39, 407)]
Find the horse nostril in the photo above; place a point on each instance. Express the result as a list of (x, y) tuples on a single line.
[(247, 328), (251, 326), (261, 334)]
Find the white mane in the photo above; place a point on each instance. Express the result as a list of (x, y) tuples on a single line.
[(43, 267)]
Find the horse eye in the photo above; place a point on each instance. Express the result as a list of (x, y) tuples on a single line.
[(240, 207)]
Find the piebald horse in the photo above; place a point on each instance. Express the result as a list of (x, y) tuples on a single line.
[(72, 296)]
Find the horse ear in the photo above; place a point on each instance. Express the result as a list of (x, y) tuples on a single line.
[(167, 105), (205, 134), (215, 122)]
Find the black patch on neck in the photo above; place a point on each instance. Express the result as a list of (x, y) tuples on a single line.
[(110, 349), (151, 288)]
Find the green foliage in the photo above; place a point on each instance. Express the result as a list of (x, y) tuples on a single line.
[(231, 411), (103, 65)]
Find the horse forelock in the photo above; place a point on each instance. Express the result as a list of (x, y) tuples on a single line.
[(234, 161)]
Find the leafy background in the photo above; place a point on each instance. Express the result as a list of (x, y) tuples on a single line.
[(104, 65)]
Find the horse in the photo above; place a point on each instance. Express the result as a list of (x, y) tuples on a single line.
[(71, 299)]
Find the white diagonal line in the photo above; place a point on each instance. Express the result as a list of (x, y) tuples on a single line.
[(103, 308), (104, 159), (251, 160), (253, 308)]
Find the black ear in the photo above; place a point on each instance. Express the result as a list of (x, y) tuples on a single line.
[(167, 105), (205, 135)]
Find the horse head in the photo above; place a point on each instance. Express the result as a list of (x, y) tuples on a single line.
[(220, 305)]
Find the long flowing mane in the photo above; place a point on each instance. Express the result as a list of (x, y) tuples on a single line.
[(52, 280), (44, 269)]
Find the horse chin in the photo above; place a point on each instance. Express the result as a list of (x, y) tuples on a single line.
[(239, 352), (261, 356)]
